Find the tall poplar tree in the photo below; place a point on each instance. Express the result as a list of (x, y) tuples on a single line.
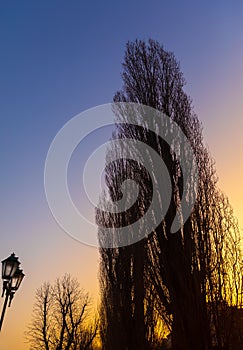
[(189, 281)]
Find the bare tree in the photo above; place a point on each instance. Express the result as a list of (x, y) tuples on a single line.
[(62, 317), (190, 280)]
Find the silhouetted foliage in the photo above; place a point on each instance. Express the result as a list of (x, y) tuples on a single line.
[(187, 283), (62, 317)]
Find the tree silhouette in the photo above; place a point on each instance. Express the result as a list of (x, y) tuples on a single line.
[(189, 281), (62, 317)]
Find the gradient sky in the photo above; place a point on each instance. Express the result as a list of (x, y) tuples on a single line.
[(59, 58)]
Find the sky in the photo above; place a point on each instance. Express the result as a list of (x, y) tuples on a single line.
[(59, 58)]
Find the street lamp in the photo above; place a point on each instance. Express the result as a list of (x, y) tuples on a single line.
[(12, 277)]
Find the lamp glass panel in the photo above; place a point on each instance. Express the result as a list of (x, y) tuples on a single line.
[(8, 269), (14, 282)]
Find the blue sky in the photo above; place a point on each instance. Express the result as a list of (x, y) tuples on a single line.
[(59, 58)]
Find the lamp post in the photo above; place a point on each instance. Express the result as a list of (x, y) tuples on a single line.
[(12, 277)]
